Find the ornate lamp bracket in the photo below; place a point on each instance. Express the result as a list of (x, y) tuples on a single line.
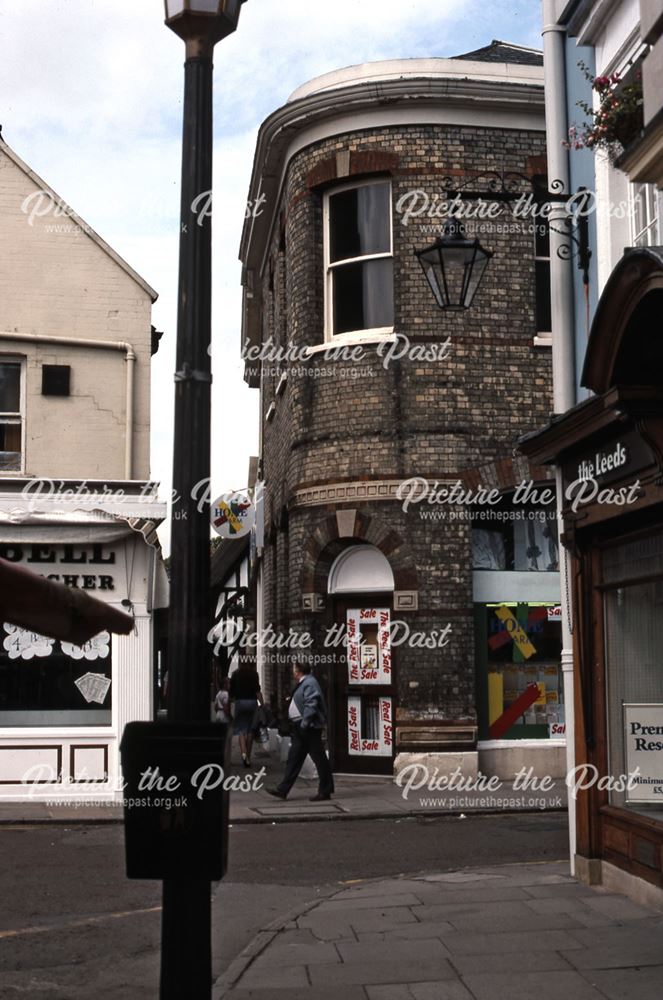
[(507, 189)]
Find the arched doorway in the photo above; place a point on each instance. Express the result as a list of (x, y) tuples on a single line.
[(361, 588)]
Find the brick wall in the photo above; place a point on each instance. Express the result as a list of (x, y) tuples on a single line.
[(415, 418)]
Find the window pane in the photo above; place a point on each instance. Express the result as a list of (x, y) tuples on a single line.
[(359, 222), (10, 447), (535, 543), (542, 240), (10, 387), (543, 309), (370, 718), (363, 296), (629, 560), (634, 637), (41, 690), (491, 548)]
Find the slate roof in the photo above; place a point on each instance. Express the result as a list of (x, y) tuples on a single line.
[(504, 52)]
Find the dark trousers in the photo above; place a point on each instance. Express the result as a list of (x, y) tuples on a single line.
[(307, 743)]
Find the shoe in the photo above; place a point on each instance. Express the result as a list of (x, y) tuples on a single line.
[(319, 798), (245, 761), (276, 792)]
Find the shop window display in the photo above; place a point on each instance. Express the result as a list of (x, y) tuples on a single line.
[(48, 683), (520, 690)]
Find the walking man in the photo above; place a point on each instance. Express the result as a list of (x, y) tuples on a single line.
[(308, 716)]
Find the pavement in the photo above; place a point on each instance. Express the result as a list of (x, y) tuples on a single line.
[(511, 932), (356, 797)]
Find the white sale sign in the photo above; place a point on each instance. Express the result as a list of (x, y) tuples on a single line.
[(369, 657)]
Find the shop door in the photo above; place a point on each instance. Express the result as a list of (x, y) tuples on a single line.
[(363, 689)]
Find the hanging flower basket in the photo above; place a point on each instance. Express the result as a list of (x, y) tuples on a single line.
[(616, 121)]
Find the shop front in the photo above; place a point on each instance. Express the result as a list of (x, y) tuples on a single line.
[(610, 449), (63, 707)]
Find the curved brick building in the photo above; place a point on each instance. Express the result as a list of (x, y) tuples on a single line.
[(428, 621)]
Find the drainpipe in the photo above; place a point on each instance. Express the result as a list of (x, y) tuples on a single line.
[(563, 332), (112, 345)]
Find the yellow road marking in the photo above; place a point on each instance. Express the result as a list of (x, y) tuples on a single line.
[(18, 932)]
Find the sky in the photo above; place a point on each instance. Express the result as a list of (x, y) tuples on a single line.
[(91, 99)]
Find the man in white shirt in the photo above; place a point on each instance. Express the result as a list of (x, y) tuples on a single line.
[(308, 716)]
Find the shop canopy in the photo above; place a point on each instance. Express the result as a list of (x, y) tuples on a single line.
[(51, 609)]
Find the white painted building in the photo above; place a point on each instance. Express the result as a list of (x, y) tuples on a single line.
[(76, 503)]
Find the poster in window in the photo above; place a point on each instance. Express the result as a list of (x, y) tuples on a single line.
[(96, 648), (93, 687), (369, 646), (370, 728), (24, 644), (643, 752)]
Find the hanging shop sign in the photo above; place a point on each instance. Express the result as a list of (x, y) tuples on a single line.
[(233, 515), (379, 741), (369, 646), (643, 746)]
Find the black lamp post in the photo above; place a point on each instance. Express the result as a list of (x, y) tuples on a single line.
[(186, 922), (454, 266)]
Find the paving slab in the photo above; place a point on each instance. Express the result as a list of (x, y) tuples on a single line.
[(296, 993), (631, 944), (285, 955), (409, 932), (564, 888), (485, 943), (616, 907), (638, 983), (381, 902), (510, 916), (452, 990), (372, 973), (393, 951), (487, 894), (519, 985), (542, 961), (267, 977)]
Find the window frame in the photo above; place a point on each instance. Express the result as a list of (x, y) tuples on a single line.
[(542, 337), (378, 333), (16, 417), (652, 226)]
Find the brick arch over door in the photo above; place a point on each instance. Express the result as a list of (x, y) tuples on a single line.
[(352, 527)]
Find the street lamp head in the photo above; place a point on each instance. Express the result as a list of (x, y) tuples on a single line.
[(202, 23), (454, 266)]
